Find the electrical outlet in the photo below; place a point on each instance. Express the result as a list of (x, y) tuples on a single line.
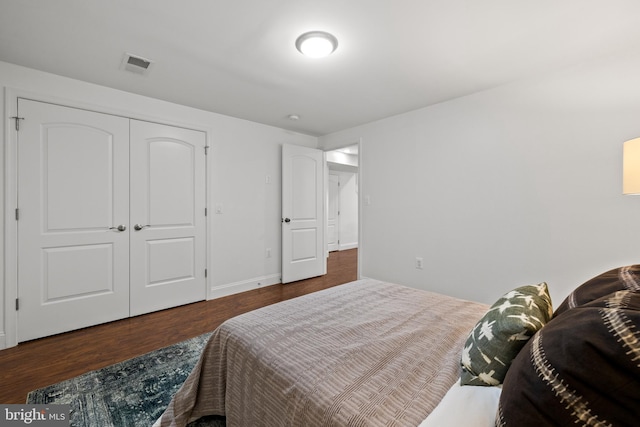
[(419, 263), (268, 252)]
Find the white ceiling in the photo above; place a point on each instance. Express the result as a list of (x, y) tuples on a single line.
[(238, 57)]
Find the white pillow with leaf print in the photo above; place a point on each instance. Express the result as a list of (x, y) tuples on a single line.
[(502, 332)]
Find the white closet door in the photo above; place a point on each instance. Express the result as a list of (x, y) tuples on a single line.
[(73, 188), (168, 229)]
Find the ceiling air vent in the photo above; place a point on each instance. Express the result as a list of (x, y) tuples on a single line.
[(136, 64)]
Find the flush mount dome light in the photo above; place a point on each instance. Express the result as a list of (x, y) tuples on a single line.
[(316, 44)]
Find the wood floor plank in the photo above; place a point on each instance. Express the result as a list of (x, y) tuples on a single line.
[(35, 364)]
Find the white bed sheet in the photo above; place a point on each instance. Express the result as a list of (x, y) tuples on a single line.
[(464, 405)]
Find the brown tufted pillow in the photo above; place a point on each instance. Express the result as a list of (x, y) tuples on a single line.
[(603, 284), (582, 368)]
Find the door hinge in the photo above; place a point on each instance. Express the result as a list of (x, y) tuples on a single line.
[(17, 214), (205, 273), (17, 304), (206, 150), (205, 211), (17, 119)]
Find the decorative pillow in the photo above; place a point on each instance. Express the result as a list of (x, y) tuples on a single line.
[(602, 285), (502, 332), (582, 368)]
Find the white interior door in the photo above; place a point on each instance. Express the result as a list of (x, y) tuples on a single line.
[(333, 213), (302, 213), (168, 227), (73, 188)]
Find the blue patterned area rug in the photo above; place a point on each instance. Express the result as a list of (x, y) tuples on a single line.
[(131, 393)]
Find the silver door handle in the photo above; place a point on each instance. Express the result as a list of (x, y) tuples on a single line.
[(139, 227), (121, 227)]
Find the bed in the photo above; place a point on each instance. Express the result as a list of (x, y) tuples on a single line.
[(364, 353), (367, 353)]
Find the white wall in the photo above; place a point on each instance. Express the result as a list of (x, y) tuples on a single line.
[(514, 185), (242, 155)]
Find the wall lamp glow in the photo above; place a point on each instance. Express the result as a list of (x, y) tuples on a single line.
[(631, 167), (316, 44)]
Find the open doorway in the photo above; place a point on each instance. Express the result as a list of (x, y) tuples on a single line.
[(342, 198)]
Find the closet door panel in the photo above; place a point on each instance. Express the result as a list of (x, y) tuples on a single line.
[(168, 250), (73, 190)]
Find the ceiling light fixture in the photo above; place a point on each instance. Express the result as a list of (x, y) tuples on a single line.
[(316, 44)]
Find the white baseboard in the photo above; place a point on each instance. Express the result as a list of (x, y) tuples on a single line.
[(346, 246), (243, 286)]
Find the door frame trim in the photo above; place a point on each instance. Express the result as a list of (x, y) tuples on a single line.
[(359, 142), (9, 285)]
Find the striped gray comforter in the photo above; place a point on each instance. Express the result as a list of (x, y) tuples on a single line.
[(366, 353)]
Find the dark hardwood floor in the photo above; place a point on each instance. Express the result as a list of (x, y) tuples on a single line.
[(45, 361)]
